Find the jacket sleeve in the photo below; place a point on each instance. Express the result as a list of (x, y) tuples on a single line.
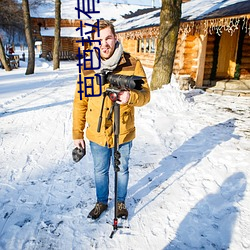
[(79, 114), (141, 97)]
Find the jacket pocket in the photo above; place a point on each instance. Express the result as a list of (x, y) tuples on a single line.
[(127, 120)]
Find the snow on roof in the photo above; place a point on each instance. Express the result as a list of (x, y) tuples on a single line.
[(65, 31), (146, 20), (192, 10), (107, 10), (38, 42), (197, 9)]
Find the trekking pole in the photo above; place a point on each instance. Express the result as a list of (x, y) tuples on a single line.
[(117, 156)]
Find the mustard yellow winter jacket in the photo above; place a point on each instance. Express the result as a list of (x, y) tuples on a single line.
[(88, 109)]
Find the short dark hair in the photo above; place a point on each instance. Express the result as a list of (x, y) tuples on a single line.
[(102, 25)]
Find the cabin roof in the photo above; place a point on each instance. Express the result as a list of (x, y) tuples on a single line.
[(208, 9), (65, 31), (194, 10), (106, 10)]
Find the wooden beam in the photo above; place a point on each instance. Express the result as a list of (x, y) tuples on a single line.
[(201, 60)]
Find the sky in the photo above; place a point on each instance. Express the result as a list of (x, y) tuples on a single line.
[(189, 169)]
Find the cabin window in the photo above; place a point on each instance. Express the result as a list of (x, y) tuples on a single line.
[(140, 45), (152, 45), (146, 45)]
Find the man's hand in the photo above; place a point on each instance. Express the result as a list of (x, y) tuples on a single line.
[(123, 97), (79, 143)]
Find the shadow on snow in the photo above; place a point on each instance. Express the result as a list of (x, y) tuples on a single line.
[(209, 225), (23, 110), (190, 153)]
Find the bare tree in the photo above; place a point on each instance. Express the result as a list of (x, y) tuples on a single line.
[(11, 16), (3, 57), (28, 33), (168, 34), (11, 24), (56, 59)]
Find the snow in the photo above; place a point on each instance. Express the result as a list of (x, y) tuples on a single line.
[(189, 169), (156, 3), (65, 31), (105, 10), (196, 9), (145, 20), (192, 10)]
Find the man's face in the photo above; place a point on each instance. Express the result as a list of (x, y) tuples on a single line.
[(108, 41)]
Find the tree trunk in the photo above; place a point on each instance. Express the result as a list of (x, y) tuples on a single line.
[(168, 34), (3, 57), (56, 59), (29, 38)]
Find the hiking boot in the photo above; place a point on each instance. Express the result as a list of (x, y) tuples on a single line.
[(122, 211), (97, 210)]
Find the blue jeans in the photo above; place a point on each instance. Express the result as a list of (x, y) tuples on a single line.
[(102, 157)]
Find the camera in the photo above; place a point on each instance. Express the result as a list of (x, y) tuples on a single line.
[(78, 153), (117, 84), (121, 82)]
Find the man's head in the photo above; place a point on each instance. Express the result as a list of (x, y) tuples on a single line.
[(107, 37)]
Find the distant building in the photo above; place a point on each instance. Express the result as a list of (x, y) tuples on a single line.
[(43, 31)]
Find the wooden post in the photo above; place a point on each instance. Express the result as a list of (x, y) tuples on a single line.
[(201, 60)]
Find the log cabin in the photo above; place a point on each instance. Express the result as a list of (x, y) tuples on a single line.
[(213, 41), (43, 30)]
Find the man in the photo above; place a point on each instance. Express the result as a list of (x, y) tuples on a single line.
[(115, 60), (11, 50)]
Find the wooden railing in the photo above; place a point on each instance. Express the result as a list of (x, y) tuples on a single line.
[(63, 55)]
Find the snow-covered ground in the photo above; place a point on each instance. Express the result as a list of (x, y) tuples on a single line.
[(189, 170)]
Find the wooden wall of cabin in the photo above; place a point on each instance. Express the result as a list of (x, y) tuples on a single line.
[(67, 44), (220, 62), (50, 22), (187, 51), (211, 50), (240, 67), (47, 45), (129, 45), (178, 67), (186, 56), (191, 51), (134, 46), (245, 59), (178, 61)]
